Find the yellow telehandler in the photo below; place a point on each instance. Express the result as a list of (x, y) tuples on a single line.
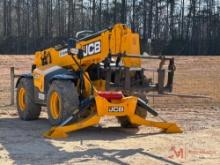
[(91, 76)]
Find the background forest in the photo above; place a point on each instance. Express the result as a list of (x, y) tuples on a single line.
[(177, 27)]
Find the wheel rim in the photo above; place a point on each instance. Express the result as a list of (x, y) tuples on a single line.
[(21, 99), (55, 105)]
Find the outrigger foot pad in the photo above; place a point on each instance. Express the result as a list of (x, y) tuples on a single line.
[(55, 133), (173, 128)]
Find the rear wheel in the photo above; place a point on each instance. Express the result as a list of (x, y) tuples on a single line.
[(62, 101), (125, 122), (140, 111), (26, 107)]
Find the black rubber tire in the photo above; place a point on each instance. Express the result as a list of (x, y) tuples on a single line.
[(140, 110), (32, 110), (69, 100)]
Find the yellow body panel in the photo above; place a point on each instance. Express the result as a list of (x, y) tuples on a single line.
[(119, 40), (61, 58), (56, 58), (126, 106), (87, 86), (100, 85), (39, 75), (131, 45), (39, 79), (98, 57)]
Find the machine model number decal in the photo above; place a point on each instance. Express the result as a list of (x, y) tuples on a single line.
[(116, 109), (63, 52), (92, 48)]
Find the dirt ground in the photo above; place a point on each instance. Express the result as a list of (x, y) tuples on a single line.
[(22, 142)]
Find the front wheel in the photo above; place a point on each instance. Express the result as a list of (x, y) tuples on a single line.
[(62, 101)]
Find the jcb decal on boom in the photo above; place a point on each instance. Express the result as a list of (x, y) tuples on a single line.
[(92, 48)]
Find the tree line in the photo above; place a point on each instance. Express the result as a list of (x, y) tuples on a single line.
[(166, 26)]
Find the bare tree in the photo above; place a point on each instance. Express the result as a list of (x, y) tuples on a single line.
[(175, 26)]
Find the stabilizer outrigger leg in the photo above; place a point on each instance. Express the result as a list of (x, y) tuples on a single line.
[(62, 130), (125, 107), (166, 126)]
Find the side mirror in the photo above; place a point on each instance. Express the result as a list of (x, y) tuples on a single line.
[(72, 50), (71, 44), (80, 54)]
